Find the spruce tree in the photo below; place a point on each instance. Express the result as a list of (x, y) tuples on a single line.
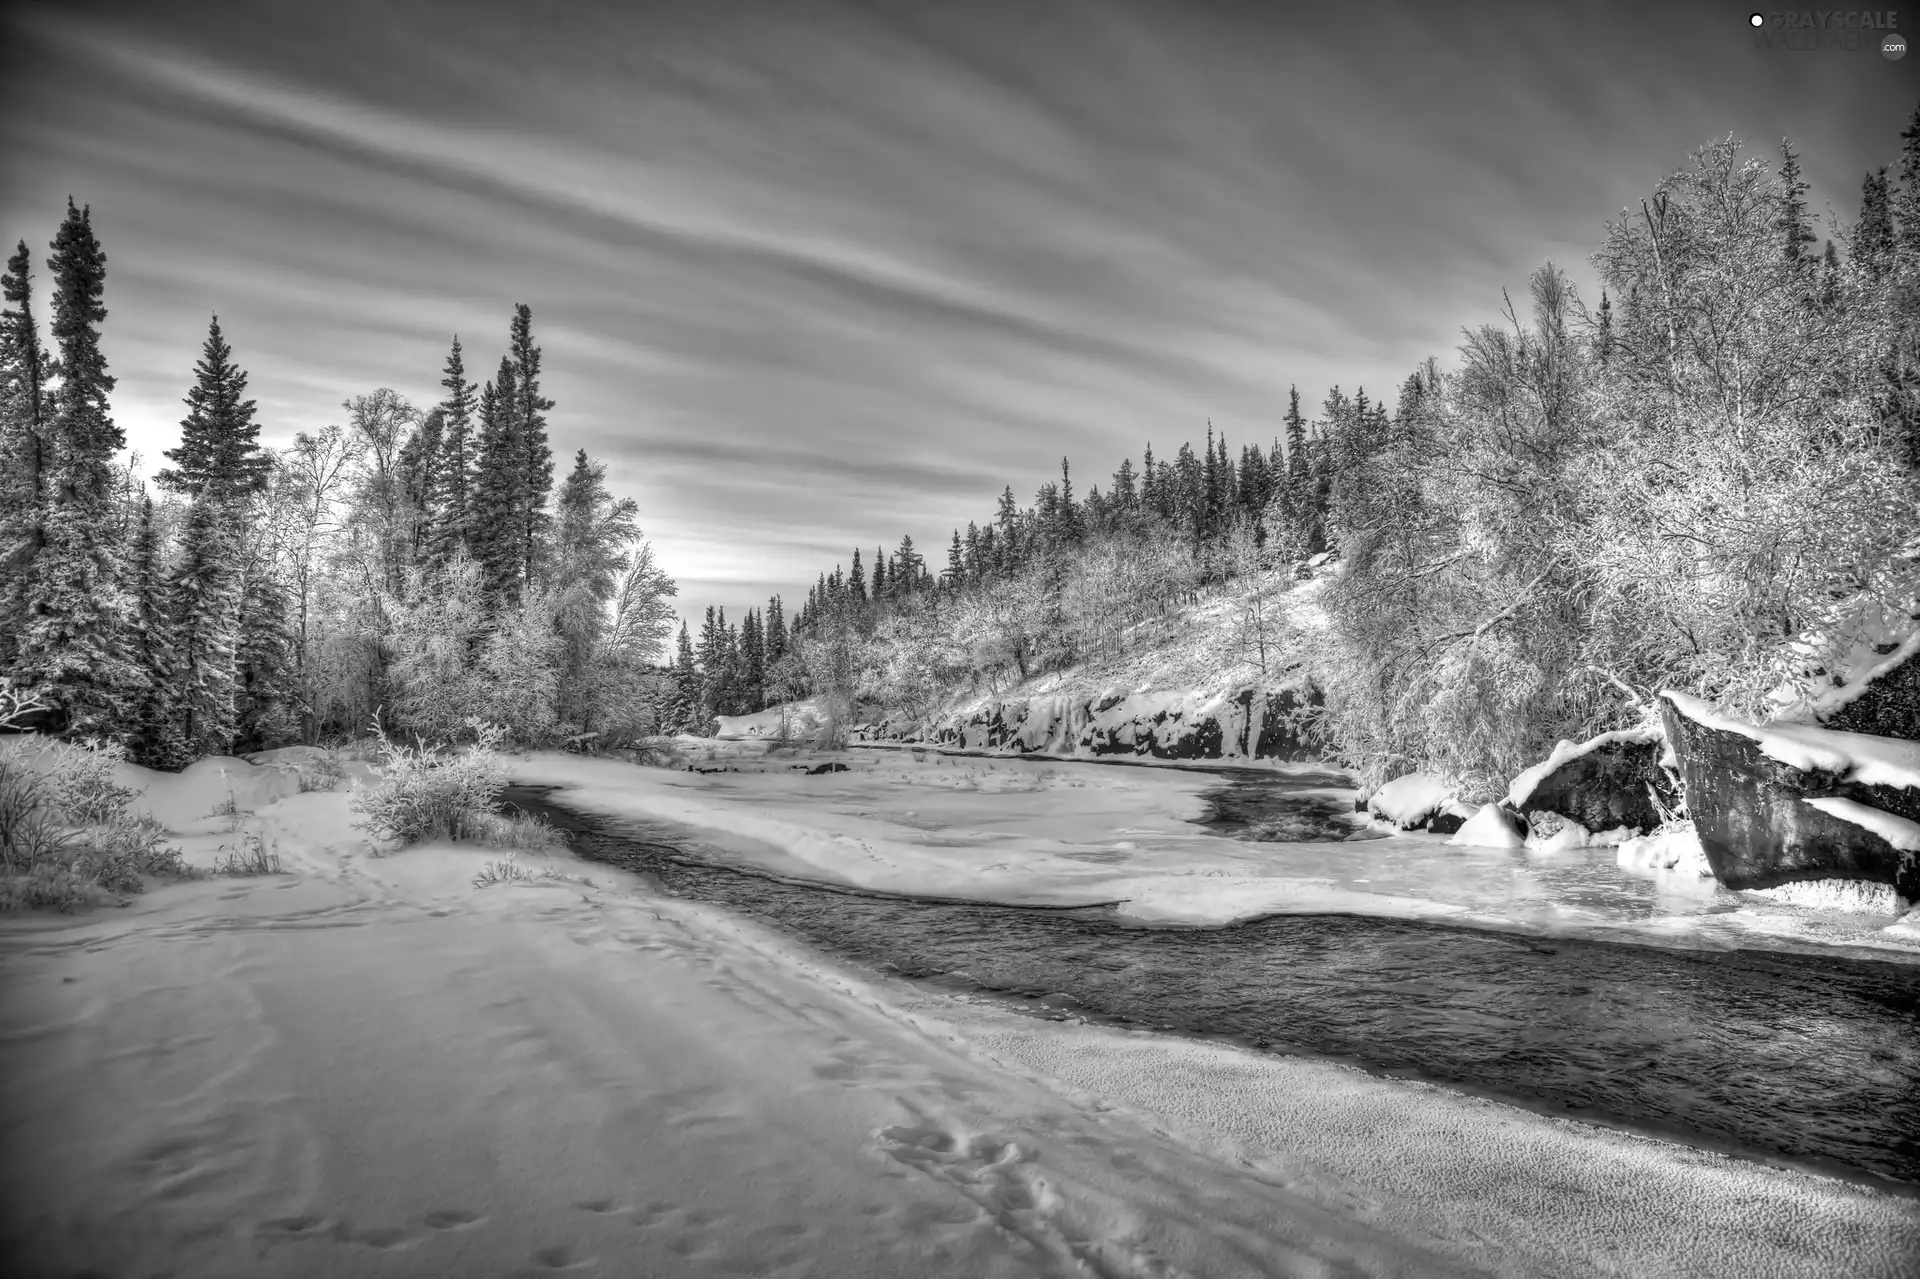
[(776, 632), (534, 457), (1907, 208), (1796, 233), (494, 526), (25, 448), (205, 600), (1873, 234), (420, 463), (1296, 439), (219, 454), (1069, 516), (956, 561), (153, 738), (454, 478), (219, 465), (73, 644), (858, 579), (266, 698)]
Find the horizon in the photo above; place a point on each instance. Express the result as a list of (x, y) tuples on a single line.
[(815, 282)]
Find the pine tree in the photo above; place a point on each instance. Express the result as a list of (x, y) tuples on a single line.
[(219, 465), (219, 456), (956, 562), (686, 685), (205, 602), (73, 646), (266, 700), (776, 632), (498, 480), (857, 581), (533, 455), (420, 464), (453, 481), (25, 459), (1908, 206), (1796, 233), (1069, 526), (1873, 235), (153, 738)]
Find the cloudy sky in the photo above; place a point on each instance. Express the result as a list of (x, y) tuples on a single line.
[(814, 275)]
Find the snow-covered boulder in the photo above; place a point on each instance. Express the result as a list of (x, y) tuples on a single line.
[(1603, 783), (1782, 803), (1409, 801), (1675, 850), (1492, 827)]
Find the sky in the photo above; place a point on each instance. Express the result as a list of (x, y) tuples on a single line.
[(810, 276)]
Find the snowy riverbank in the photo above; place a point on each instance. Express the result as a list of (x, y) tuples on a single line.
[(1054, 832), (369, 1066)]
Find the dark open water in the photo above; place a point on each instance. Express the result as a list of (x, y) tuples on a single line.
[(1806, 1059)]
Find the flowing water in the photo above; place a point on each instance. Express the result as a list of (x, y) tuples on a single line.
[(1802, 1058)]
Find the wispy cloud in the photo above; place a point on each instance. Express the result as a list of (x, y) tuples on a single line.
[(813, 275)]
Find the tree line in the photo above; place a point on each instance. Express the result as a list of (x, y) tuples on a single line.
[(1709, 480), (416, 567)]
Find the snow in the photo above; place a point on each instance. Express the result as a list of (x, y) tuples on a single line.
[(1858, 757), (802, 717), (1521, 789), (1676, 850), (1857, 896), (1408, 801), (1901, 832), (1046, 832), (1488, 829), (1568, 838), (368, 1066)]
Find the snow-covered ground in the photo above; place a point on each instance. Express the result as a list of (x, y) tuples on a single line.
[(367, 1066), (1051, 832)]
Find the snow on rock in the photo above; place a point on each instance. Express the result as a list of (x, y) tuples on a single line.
[(1409, 801), (1241, 723), (1903, 833), (1552, 833), (1492, 827), (1675, 850), (1753, 791), (1863, 758), (1608, 781)]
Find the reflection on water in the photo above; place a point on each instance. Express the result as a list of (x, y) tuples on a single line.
[(1811, 1058)]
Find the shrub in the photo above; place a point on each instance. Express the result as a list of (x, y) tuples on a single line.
[(80, 784), (254, 856), (322, 774), (428, 794)]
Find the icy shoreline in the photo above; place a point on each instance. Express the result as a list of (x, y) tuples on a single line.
[(1017, 830)]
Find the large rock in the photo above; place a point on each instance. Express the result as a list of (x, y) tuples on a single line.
[(1605, 783), (1884, 700), (1749, 787), (1245, 723)]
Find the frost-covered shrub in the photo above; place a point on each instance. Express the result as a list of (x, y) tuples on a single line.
[(427, 794), (66, 837)]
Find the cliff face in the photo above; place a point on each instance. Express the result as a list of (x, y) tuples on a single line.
[(1775, 805), (1243, 723)]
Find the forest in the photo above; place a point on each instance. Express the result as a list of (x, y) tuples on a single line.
[(1708, 480)]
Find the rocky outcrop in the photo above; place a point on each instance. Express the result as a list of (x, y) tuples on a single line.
[(1780, 804), (1604, 784), (1245, 723), (1884, 701)]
